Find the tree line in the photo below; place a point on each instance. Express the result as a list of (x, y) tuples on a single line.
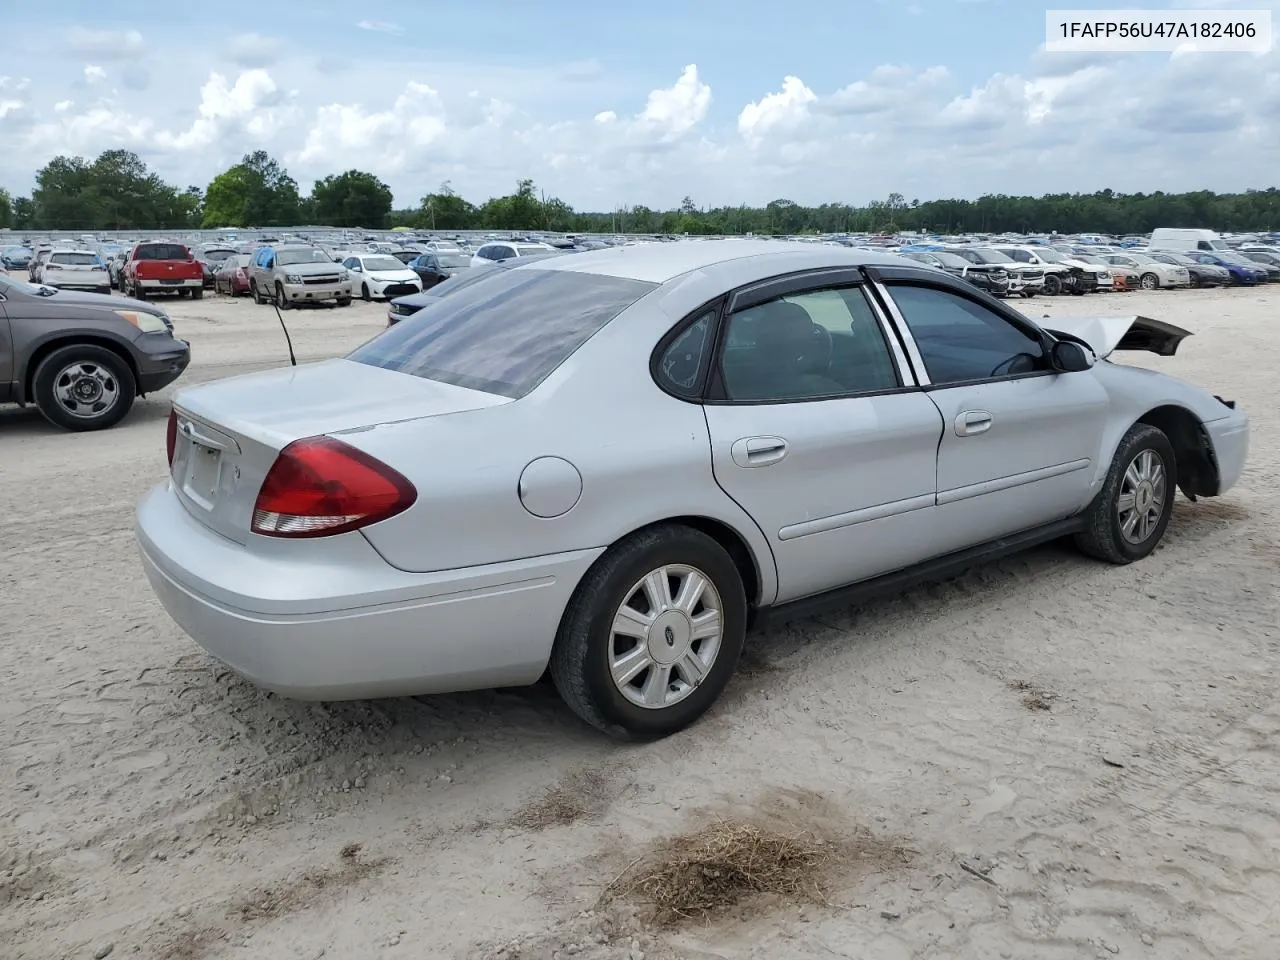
[(117, 191)]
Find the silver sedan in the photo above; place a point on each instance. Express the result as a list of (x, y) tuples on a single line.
[(612, 465)]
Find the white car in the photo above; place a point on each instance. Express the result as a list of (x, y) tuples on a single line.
[(380, 276), (507, 250), (74, 270), (1152, 274)]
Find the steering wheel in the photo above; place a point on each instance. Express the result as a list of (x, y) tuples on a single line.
[(1007, 366), (819, 361)]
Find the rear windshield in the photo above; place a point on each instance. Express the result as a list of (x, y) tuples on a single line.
[(160, 251), (76, 259), (505, 335)]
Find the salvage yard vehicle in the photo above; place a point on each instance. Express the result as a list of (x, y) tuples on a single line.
[(161, 267), (74, 270), (295, 273), (992, 278), (1151, 273), (1025, 280), (82, 358), (612, 464), (1061, 273), (380, 276), (232, 275), (1201, 274)]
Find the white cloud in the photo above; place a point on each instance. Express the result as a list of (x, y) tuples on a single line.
[(784, 110), (62, 106), (380, 26), (346, 135), (224, 105), (673, 111), (106, 44), (606, 116), (94, 74)]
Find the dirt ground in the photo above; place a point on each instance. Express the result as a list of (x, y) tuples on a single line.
[(1072, 760)]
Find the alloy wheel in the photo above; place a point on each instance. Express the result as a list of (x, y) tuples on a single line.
[(665, 636), (1140, 502)]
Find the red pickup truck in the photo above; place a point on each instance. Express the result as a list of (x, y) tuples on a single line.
[(161, 267)]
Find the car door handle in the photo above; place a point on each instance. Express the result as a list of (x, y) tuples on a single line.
[(758, 451), (973, 422)]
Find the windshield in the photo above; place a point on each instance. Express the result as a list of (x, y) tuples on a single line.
[(453, 261), (382, 263), (76, 259), (1050, 256), (948, 259), (1236, 258), (505, 335), (1173, 258), (1089, 258), (285, 258)]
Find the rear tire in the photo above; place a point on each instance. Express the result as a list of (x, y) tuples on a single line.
[(344, 301), (585, 658), (197, 293), (1128, 518), (254, 292), (55, 380), (1150, 281)]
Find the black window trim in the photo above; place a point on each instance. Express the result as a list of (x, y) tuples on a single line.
[(708, 389), (885, 280)]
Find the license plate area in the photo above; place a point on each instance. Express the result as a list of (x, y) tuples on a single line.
[(203, 474)]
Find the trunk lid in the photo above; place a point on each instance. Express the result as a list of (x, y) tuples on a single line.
[(1105, 335), (230, 431)]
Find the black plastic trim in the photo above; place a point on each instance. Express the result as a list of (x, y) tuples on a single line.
[(930, 570)]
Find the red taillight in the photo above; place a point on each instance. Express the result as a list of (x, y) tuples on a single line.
[(319, 486), (171, 435)]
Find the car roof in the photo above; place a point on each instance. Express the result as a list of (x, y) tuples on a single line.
[(660, 262)]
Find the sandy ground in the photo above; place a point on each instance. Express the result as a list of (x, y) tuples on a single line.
[(1075, 760)]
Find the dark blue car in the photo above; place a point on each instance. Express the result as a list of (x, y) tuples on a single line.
[(1242, 272)]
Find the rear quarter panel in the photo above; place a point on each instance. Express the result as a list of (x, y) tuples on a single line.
[(643, 456)]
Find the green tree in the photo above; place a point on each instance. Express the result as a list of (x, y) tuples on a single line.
[(115, 190), (352, 199), (256, 192), (24, 213), (445, 210), (6, 209)]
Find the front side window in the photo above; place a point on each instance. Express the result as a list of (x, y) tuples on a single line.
[(960, 340), (806, 346), (504, 335)]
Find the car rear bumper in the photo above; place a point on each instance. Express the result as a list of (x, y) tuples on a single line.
[(329, 619), (180, 284), (87, 282), (1230, 439)]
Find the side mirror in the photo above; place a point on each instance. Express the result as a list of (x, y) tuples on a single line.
[(1070, 357)]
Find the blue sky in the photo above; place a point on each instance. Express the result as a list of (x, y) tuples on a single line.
[(608, 104)]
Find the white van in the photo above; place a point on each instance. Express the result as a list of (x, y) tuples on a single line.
[(1169, 238)]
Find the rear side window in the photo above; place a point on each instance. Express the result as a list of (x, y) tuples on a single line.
[(505, 335), (161, 251)]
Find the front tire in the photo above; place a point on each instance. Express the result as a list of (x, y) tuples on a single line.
[(364, 293), (281, 300), (197, 293), (1128, 518), (652, 634), (83, 387), (1052, 285), (1149, 281)]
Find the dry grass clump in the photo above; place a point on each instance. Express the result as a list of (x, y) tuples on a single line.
[(705, 873), (1034, 698), (579, 795)]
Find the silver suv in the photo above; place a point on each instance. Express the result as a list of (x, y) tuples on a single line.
[(297, 273)]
